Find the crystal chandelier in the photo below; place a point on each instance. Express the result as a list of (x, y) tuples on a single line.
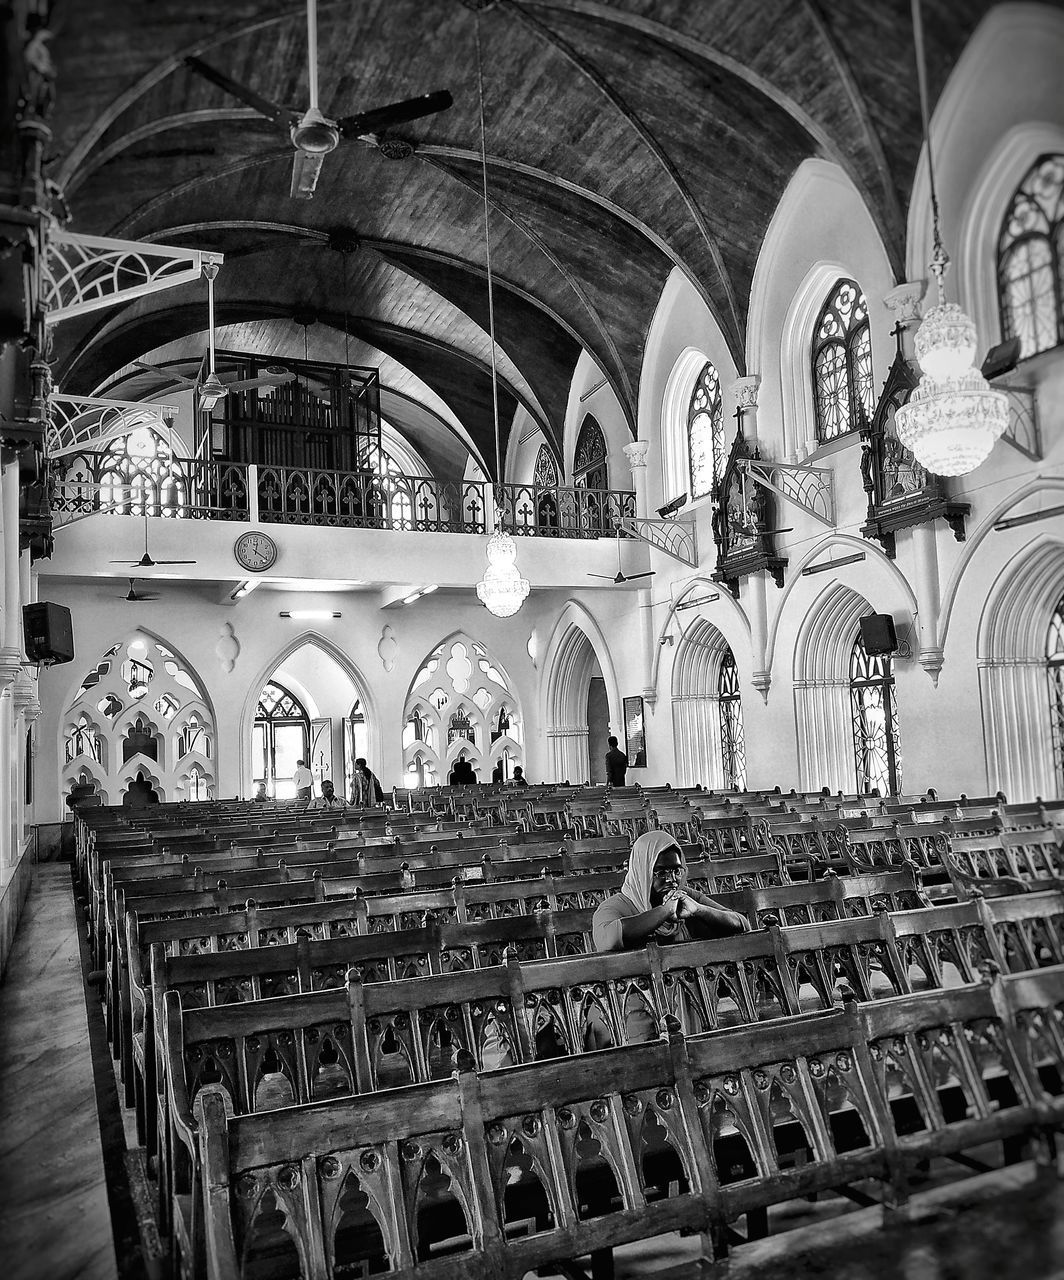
[(502, 590), (952, 418)]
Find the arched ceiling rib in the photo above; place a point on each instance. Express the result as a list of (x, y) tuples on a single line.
[(625, 138)]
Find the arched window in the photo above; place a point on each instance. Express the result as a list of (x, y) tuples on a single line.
[(705, 433), (281, 736), (546, 473), (589, 460), (1030, 254), (732, 737), (1055, 670), (874, 711), (842, 363), (138, 476)]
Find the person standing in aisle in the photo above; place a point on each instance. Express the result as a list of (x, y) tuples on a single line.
[(616, 764), (303, 780)]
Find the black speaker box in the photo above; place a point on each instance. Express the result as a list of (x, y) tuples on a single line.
[(48, 633), (878, 634)]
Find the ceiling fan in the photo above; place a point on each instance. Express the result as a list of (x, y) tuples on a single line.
[(273, 375), (146, 561), (620, 577), (134, 595), (313, 134)]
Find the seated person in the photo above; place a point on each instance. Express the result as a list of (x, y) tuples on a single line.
[(328, 798), (498, 774), (462, 773), (655, 903), (261, 793), (519, 779)]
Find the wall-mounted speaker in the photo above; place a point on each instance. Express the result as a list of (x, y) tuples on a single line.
[(48, 633), (878, 635)]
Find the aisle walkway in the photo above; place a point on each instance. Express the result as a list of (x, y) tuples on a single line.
[(54, 1217)]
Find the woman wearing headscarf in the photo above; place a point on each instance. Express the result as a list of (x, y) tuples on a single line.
[(656, 902)]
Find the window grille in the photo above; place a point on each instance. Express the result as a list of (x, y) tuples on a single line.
[(876, 746), (843, 391), (1055, 672), (706, 452), (1030, 273), (732, 736)]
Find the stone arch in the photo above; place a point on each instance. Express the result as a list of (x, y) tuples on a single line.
[(797, 265), (821, 684), (475, 685), (347, 665), (166, 679), (696, 712), (575, 650), (1010, 654)]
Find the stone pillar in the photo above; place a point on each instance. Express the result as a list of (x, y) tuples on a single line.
[(903, 303), (928, 596), (636, 453), (11, 652), (757, 608), (745, 391)]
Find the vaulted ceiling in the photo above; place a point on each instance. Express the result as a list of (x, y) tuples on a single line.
[(623, 139)]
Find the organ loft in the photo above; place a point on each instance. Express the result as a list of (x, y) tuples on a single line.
[(531, 639)]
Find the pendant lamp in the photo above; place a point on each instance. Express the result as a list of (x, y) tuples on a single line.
[(502, 590), (952, 418)]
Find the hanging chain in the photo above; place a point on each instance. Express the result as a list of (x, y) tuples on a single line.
[(487, 259), (939, 263)]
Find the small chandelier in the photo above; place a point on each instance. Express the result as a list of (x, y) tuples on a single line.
[(952, 418), (502, 590)]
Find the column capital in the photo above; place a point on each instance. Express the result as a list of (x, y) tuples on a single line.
[(636, 453), (10, 668), (903, 302), (746, 390)]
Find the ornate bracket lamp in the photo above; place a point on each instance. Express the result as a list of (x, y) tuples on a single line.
[(952, 417), (502, 590)]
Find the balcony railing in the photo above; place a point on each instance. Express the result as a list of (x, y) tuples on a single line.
[(538, 512), (189, 489)]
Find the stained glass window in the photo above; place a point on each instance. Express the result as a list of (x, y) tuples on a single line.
[(876, 746), (589, 462), (843, 392), (705, 433), (1030, 252), (732, 737), (1055, 670), (546, 474)]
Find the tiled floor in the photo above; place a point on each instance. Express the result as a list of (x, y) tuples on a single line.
[(54, 1217)]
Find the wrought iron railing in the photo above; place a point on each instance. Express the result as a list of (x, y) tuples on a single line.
[(92, 482), (539, 512), (367, 500)]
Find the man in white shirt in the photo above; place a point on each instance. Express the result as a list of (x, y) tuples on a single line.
[(304, 781), (328, 798)]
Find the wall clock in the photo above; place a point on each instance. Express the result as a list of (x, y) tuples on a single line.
[(255, 552)]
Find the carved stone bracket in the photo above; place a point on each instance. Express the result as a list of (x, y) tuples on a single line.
[(79, 422), (812, 489), (676, 538), (86, 273)]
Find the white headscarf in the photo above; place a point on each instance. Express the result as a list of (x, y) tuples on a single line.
[(641, 863)]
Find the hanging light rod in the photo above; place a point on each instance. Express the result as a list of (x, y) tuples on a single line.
[(310, 615), (810, 569), (1013, 522), (691, 604)]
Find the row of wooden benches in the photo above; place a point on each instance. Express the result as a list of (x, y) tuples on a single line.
[(339, 1029), (502, 1172)]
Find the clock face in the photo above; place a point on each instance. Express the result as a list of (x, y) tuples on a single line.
[(255, 551)]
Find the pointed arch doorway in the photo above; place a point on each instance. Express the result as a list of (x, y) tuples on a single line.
[(310, 707)]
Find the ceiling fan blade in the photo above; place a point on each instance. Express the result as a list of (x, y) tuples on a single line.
[(306, 166), (267, 380), (271, 110), (606, 577), (173, 562), (166, 373), (634, 577), (397, 113)]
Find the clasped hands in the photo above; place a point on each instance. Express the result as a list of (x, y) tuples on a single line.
[(682, 905)]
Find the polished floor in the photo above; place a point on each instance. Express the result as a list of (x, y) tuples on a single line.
[(54, 1216)]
